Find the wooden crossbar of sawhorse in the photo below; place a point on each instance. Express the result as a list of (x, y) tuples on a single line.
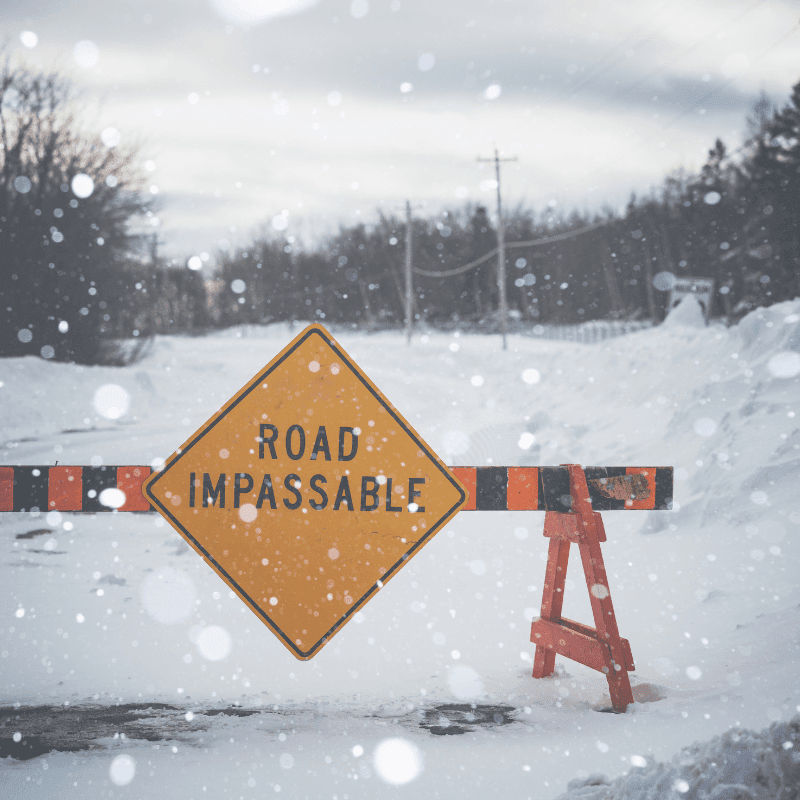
[(601, 647)]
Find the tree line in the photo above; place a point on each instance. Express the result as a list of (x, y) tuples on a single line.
[(79, 273), (736, 222)]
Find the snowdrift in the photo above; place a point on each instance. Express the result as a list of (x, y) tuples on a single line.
[(739, 765)]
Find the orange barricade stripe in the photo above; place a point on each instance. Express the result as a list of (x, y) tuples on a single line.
[(129, 481), (523, 488), (469, 478), (6, 488), (648, 502), (65, 489)]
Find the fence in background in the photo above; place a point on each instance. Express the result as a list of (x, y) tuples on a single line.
[(588, 332), (584, 333)]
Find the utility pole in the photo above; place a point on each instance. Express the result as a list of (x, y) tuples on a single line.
[(409, 276), (501, 246), (410, 270)]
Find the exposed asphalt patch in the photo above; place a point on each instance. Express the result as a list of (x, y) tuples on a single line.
[(32, 534), (22, 750), (30, 731), (112, 580), (41, 729), (453, 719)]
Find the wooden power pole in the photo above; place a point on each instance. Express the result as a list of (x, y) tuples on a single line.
[(409, 276), (501, 247)]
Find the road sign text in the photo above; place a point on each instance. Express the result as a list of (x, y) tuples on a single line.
[(373, 492)]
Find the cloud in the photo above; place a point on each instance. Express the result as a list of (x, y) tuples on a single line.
[(596, 99), (247, 13)]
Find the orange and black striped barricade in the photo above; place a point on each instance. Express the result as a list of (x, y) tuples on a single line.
[(572, 497)]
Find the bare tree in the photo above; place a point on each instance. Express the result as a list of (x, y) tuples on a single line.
[(66, 203)]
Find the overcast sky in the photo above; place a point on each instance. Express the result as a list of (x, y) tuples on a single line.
[(321, 112)]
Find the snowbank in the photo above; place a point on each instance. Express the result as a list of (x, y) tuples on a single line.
[(739, 765), (41, 398)]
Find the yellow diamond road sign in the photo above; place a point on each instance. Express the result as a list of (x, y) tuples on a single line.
[(306, 492)]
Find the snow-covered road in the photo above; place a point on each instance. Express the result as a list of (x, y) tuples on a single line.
[(707, 594)]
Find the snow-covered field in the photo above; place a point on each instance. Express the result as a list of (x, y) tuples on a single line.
[(708, 594)]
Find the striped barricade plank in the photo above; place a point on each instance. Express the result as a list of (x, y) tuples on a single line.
[(548, 488), (72, 488), (77, 488)]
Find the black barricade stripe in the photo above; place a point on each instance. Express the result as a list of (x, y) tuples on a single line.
[(30, 488), (600, 501), (95, 479), (491, 489), (555, 482), (663, 488)]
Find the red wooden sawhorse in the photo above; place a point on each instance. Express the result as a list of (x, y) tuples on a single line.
[(572, 497), (600, 648)]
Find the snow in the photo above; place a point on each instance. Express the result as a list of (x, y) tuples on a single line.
[(115, 608), (738, 765), (687, 312)]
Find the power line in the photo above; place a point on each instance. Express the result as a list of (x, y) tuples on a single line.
[(630, 87), (458, 270), (611, 58), (719, 88), (557, 237)]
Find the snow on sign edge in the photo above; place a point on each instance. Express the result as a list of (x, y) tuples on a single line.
[(283, 355)]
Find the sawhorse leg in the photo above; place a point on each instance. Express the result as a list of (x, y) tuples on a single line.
[(544, 662)]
